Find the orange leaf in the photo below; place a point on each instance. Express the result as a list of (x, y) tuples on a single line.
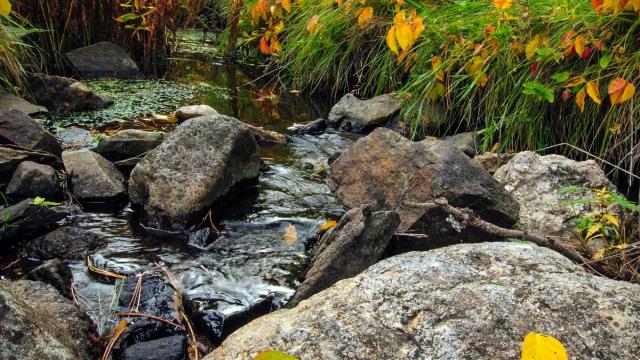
[(593, 92), (620, 91), (578, 42), (580, 97), (575, 82), (503, 4), (259, 11), (264, 46), (364, 15), (597, 6), (313, 24), (392, 43)]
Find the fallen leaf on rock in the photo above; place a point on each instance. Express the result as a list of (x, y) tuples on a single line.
[(291, 235)]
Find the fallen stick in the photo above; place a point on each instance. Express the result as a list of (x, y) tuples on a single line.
[(468, 218)]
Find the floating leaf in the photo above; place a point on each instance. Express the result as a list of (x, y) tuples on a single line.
[(503, 4), (364, 15), (274, 355), (541, 347), (620, 91), (5, 8), (593, 92), (291, 235)]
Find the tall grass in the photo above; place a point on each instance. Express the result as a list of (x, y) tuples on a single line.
[(344, 56), (146, 34), (15, 54)]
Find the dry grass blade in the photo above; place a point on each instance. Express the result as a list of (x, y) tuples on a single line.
[(114, 339), (193, 336), (103, 272)]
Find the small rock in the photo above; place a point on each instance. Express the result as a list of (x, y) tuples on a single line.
[(67, 243), (315, 127), (467, 142), (385, 169), (194, 167), (93, 178), (355, 243), (166, 348), (11, 158), (25, 220), (37, 322), (353, 114), (60, 94), (128, 144), (32, 179), (104, 59), (20, 129), (536, 182), (194, 111), (468, 301), (491, 161), (156, 296), (55, 273), (9, 102)]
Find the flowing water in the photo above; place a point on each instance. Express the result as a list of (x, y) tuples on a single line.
[(251, 260)]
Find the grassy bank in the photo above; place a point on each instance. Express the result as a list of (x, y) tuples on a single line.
[(530, 74)]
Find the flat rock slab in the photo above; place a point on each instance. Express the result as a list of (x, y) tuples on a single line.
[(385, 169), (9, 102), (353, 114), (194, 167), (20, 129), (128, 144), (93, 178), (469, 301), (104, 59)]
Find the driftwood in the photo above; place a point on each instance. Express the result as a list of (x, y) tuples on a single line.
[(267, 136), (468, 218)]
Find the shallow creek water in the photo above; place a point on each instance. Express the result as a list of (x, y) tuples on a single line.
[(251, 260)]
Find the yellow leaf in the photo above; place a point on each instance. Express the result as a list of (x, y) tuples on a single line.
[(598, 254), (593, 92), (291, 235), (580, 97), (5, 8), (274, 355), (541, 347), (286, 5), (611, 219), (278, 27), (364, 15), (532, 46), (404, 34), (313, 24), (578, 42), (391, 40), (575, 82), (593, 230), (258, 11), (503, 4), (436, 62), (437, 91), (326, 226)]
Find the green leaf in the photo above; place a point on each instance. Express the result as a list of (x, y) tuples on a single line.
[(274, 355), (561, 76), (127, 17), (40, 201), (605, 60), (539, 90)]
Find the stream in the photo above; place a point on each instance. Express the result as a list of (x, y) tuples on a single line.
[(250, 261)]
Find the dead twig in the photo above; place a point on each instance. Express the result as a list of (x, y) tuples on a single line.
[(468, 218), (137, 314)]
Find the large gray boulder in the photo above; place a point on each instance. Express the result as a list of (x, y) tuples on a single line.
[(9, 102), (552, 191), (93, 178), (355, 243), (61, 94), (129, 143), (194, 167), (353, 114), (104, 59), (469, 301), (385, 169), (32, 179), (37, 322), (20, 129)]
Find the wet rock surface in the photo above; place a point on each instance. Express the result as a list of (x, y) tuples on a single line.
[(128, 144), (32, 179), (61, 94), (166, 348), (37, 322), (353, 114), (194, 167), (468, 301), (67, 243), (104, 59), (55, 273), (547, 188), (26, 220), (355, 243), (93, 178), (20, 129), (385, 169)]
